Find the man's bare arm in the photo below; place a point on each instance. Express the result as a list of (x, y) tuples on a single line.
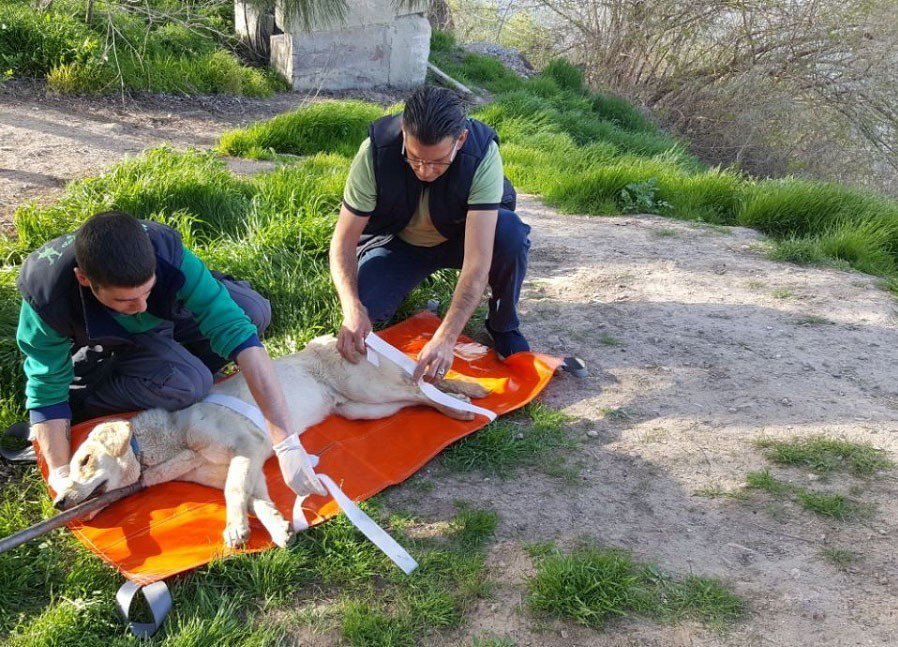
[(54, 439), (266, 389), (345, 274), (480, 234)]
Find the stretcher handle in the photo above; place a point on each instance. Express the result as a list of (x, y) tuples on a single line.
[(45, 526)]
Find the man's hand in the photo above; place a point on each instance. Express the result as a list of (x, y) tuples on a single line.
[(435, 358), (351, 338), (296, 467)]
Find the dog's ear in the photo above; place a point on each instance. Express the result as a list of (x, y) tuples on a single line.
[(114, 435)]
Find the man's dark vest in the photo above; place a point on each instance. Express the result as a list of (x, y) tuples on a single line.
[(47, 282), (399, 189)]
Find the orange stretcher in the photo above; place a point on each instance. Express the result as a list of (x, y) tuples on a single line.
[(175, 527)]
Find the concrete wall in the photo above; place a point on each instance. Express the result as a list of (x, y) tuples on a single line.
[(377, 45)]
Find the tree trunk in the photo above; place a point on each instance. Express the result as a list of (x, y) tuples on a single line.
[(440, 15)]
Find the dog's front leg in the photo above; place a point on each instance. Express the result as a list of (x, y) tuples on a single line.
[(174, 468), (237, 496)]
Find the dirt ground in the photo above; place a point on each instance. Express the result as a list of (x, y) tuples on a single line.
[(697, 345)]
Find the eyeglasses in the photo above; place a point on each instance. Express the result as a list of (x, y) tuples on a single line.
[(420, 165)]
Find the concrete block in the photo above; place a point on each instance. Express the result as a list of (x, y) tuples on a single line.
[(409, 50), (340, 60), (282, 55)]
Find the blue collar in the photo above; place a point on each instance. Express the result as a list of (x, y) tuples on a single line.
[(134, 446)]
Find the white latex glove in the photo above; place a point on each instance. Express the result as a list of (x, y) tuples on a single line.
[(296, 467), (59, 480)]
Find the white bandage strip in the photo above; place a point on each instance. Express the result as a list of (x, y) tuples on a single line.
[(408, 365), (359, 519), (239, 406), (368, 527)]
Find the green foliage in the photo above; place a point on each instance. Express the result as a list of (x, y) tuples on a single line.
[(642, 197), (441, 41), (566, 76), (834, 505), (825, 455), (840, 557), (593, 586), (125, 49), (474, 527), (330, 126), (510, 443), (34, 42)]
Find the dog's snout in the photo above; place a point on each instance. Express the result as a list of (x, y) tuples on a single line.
[(61, 503)]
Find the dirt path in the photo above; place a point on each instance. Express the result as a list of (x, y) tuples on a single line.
[(698, 345)]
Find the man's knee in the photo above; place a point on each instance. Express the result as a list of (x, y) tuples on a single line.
[(512, 237), (179, 385), (259, 312), (380, 298), (380, 309)]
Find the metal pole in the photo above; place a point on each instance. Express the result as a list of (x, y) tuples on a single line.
[(43, 527)]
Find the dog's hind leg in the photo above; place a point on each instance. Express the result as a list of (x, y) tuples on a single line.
[(269, 515), (368, 411), (463, 387)]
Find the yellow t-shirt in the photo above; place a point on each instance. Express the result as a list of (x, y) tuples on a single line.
[(420, 230), (360, 193)]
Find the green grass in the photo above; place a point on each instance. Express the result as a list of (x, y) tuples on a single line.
[(840, 557), (832, 505), (158, 55), (331, 126), (595, 586), (824, 455), (536, 437), (54, 592)]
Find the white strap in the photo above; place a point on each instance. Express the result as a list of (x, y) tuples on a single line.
[(408, 365), (158, 598), (369, 527), (358, 518), (243, 408)]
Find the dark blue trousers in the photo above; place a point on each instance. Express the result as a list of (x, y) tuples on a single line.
[(387, 274)]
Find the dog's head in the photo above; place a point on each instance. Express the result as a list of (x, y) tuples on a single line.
[(103, 462)]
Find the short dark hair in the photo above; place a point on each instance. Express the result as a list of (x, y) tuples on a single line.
[(431, 114), (113, 249)]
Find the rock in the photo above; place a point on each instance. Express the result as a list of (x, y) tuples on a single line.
[(509, 56), (592, 433)]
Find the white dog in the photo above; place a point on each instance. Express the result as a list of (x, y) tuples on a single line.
[(213, 445)]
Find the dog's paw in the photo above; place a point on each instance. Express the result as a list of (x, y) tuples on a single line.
[(282, 535), (236, 533), (461, 396)]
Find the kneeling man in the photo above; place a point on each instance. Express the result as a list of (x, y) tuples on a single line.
[(120, 316), (426, 191)]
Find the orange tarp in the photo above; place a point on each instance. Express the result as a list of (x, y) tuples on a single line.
[(174, 527)]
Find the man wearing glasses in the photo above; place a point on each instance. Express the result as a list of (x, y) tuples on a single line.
[(426, 191)]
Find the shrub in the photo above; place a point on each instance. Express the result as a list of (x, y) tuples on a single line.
[(33, 42), (441, 41)]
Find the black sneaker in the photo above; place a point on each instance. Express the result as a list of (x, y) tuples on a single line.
[(508, 343)]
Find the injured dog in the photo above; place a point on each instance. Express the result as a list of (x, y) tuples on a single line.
[(213, 445)]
